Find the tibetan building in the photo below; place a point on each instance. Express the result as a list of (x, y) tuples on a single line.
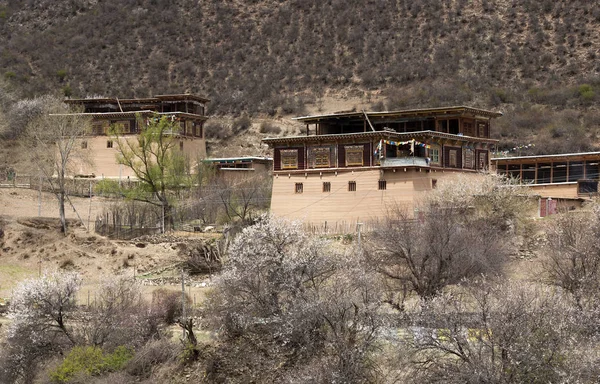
[(350, 167), (568, 178), (128, 115)]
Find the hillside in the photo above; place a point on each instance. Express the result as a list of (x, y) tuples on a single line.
[(536, 61)]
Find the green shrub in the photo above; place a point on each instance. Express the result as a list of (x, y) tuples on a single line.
[(90, 361)]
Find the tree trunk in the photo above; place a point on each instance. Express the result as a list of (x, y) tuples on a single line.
[(61, 210)]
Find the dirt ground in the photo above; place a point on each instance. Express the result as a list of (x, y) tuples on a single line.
[(33, 245)]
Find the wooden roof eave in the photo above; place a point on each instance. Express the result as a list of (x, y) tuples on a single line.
[(548, 158), (432, 112), (374, 135)]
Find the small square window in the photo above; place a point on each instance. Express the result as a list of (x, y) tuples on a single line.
[(299, 187), (382, 185), (109, 144), (326, 186), (84, 144), (352, 186)]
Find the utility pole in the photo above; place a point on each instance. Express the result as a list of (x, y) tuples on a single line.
[(183, 321)]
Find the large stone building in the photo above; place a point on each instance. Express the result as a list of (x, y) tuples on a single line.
[(129, 116), (352, 166)]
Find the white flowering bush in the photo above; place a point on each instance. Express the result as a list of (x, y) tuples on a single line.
[(40, 310), (290, 306)]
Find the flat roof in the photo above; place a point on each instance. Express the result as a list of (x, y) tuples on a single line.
[(403, 113), (543, 157), (154, 99), (129, 114), (241, 158), (375, 135)]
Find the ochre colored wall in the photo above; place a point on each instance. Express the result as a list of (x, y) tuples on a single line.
[(367, 203), (567, 190), (104, 160)]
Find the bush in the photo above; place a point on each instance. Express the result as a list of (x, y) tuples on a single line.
[(267, 127), (90, 361), (155, 352), (241, 124), (217, 130), (167, 304)]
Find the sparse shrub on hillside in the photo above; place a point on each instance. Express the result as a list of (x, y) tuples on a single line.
[(217, 130), (269, 128), (84, 362), (166, 304), (241, 124)]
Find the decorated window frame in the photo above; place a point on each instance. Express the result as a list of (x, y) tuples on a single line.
[(320, 157), (354, 155), (289, 158)]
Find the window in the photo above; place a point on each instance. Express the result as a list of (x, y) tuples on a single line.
[(122, 126), (181, 145), (434, 154), (326, 186), (299, 187), (289, 158), (452, 158), (84, 144), (469, 158), (109, 144), (320, 157), (483, 160), (354, 155), (482, 130), (433, 183), (382, 185), (587, 186), (352, 186)]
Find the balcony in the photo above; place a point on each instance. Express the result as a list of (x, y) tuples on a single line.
[(404, 161)]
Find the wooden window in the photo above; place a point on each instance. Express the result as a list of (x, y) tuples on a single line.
[(84, 144), (320, 157), (468, 129), (452, 158), (289, 158), (469, 158), (109, 144), (434, 154), (382, 185), (352, 186), (482, 160), (122, 126), (482, 130), (587, 186), (100, 127), (299, 187), (198, 129), (326, 186), (354, 155)]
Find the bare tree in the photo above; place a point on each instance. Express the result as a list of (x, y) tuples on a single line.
[(457, 232), (245, 197), (572, 255), (119, 315), (53, 142), (507, 333), (440, 248), (307, 311)]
